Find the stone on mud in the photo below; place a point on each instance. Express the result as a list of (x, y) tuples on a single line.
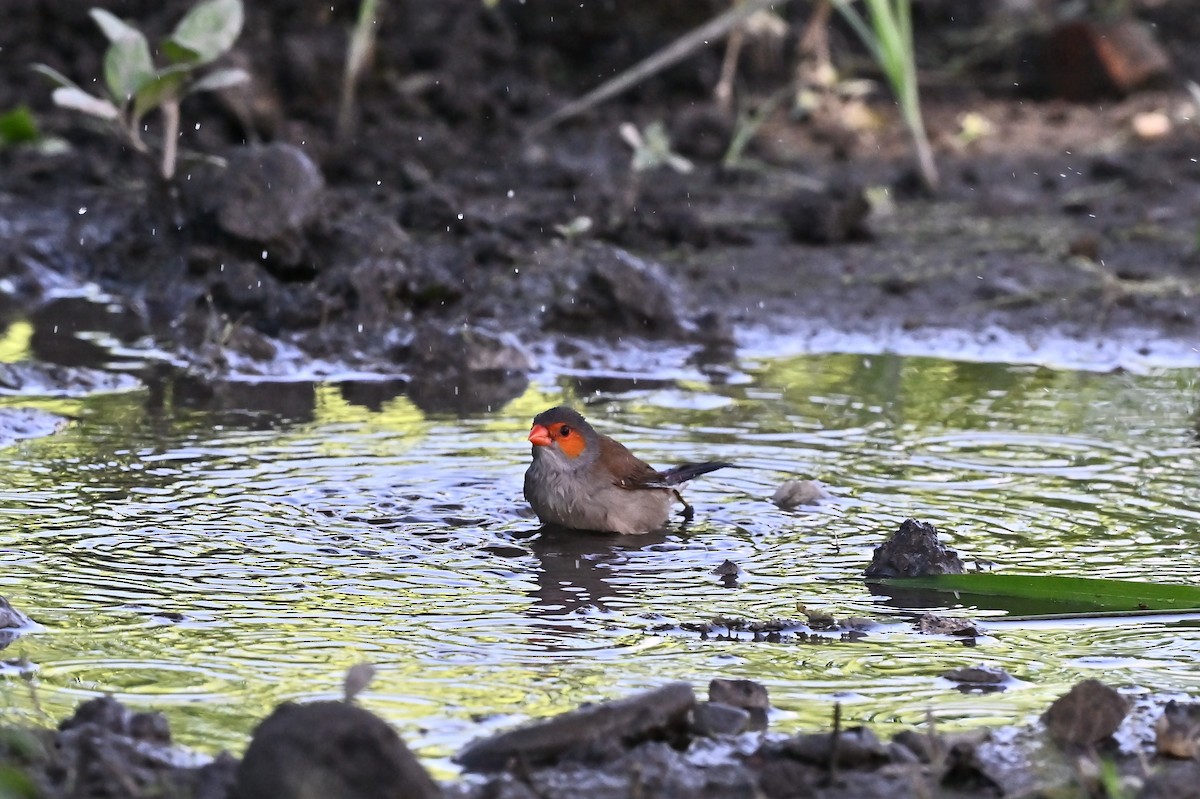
[(330, 750), (826, 216), (609, 291), (1087, 714), (620, 722), (914, 551), (1177, 731), (268, 192), (712, 719)]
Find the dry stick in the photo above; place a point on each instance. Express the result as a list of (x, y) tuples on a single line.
[(673, 53), (835, 745)]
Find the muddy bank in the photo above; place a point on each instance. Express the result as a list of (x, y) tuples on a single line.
[(444, 247), (662, 743)]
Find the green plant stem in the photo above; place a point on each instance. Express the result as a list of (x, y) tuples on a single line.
[(889, 39), (362, 44)]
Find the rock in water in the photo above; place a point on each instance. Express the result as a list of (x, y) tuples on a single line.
[(914, 551), (330, 750)]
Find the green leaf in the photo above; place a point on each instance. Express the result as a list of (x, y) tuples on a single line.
[(113, 26), (164, 86), (220, 79), (54, 75), (127, 65), (77, 99), (1051, 593), (207, 32), (18, 126)]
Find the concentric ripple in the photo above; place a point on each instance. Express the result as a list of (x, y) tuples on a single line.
[(212, 564)]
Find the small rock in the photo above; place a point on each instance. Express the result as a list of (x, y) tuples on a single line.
[(746, 694), (622, 721), (856, 747), (268, 192), (933, 624), (794, 493), (727, 569), (978, 676), (10, 617), (711, 719), (1151, 125), (1177, 731), (1085, 715), (825, 217), (329, 750), (612, 291), (914, 551)]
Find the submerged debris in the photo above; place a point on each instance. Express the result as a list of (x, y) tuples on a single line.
[(933, 624), (914, 551), (795, 493)]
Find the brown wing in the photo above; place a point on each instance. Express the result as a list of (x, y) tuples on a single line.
[(629, 471)]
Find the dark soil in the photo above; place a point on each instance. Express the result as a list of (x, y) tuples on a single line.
[(434, 245)]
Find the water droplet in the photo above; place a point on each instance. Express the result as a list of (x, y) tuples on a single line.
[(264, 255), (83, 210), (512, 193)]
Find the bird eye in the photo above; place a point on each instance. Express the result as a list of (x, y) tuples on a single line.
[(564, 431)]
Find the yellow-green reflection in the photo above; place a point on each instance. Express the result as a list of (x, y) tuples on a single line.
[(212, 564), (14, 342)]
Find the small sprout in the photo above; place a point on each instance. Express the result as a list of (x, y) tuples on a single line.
[(652, 149), (358, 677), (136, 86)]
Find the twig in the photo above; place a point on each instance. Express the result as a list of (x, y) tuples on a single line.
[(835, 746), (681, 48)]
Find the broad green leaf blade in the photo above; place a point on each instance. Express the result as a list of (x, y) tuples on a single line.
[(128, 66), (113, 26), (18, 126), (208, 30), (77, 99), (989, 590), (166, 85), (220, 79), (54, 75)]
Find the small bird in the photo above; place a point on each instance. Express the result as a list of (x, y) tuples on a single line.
[(587, 481)]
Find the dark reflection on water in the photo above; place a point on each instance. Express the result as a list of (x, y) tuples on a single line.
[(574, 567)]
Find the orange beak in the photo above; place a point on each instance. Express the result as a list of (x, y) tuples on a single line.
[(539, 436)]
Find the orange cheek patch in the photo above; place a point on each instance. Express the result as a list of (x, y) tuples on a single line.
[(572, 445)]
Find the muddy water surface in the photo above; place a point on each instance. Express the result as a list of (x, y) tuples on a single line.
[(211, 564)]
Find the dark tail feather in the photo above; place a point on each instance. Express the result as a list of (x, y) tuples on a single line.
[(686, 471)]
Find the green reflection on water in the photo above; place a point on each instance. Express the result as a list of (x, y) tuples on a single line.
[(211, 563)]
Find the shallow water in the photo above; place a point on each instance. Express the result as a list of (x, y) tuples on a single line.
[(213, 563)]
